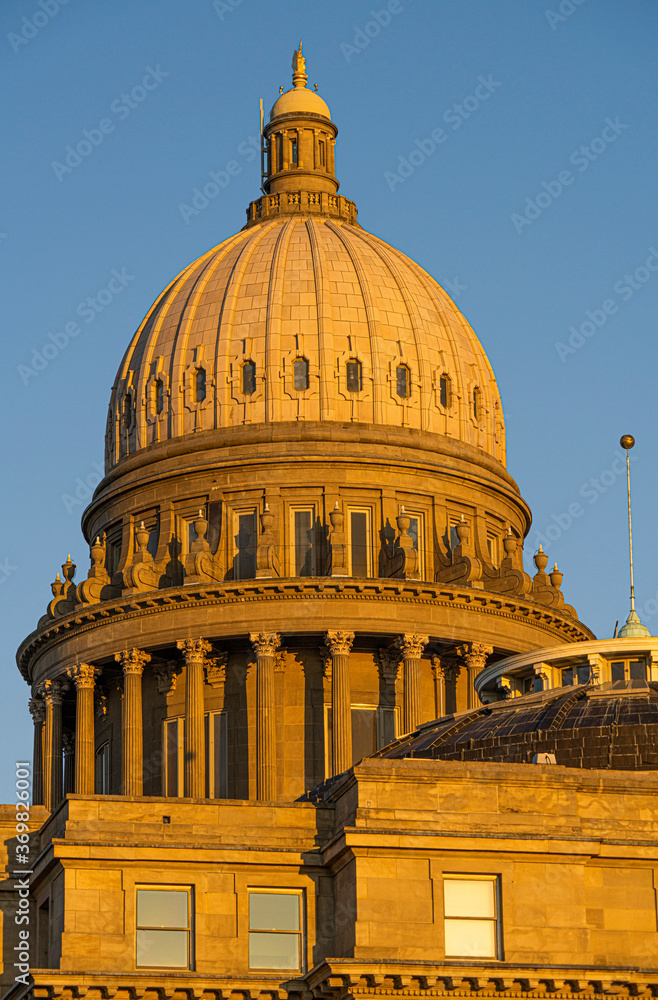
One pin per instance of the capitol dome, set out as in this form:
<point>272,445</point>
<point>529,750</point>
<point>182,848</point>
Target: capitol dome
<point>304,316</point>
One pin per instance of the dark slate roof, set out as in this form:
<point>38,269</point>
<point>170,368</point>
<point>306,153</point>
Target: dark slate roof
<point>609,725</point>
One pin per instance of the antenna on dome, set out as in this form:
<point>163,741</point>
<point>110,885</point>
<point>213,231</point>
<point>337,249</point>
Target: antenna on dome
<point>262,149</point>
<point>633,626</point>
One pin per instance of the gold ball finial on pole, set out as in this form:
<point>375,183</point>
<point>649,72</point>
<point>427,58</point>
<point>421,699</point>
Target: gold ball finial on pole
<point>627,441</point>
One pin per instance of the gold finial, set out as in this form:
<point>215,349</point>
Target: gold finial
<point>299,74</point>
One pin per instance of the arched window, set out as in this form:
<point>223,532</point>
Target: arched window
<point>354,376</point>
<point>200,385</point>
<point>127,411</point>
<point>477,405</point>
<point>249,377</point>
<point>444,392</point>
<point>159,396</point>
<point>403,381</point>
<point>300,374</point>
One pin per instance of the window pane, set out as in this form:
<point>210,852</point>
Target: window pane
<point>300,374</point>
<point>274,911</point>
<point>273,951</point>
<point>402,381</point>
<point>171,752</point>
<point>364,732</point>
<point>637,670</point>
<point>304,543</point>
<point>248,378</point>
<point>245,543</point>
<point>167,949</point>
<point>584,674</point>
<point>200,385</point>
<point>567,677</point>
<point>443,391</point>
<point>469,898</point>
<point>476,404</point>
<point>159,396</point>
<point>412,530</point>
<point>617,671</point>
<point>162,908</point>
<point>353,376</point>
<point>220,765</point>
<point>359,542</point>
<point>294,151</point>
<point>470,938</point>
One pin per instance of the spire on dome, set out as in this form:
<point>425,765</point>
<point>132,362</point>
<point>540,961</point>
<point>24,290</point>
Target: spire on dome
<point>299,74</point>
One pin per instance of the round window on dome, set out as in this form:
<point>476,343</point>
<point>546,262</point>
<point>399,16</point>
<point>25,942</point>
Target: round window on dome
<point>403,381</point>
<point>249,378</point>
<point>300,374</point>
<point>354,376</point>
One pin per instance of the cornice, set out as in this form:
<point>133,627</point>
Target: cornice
<point>372,590</point>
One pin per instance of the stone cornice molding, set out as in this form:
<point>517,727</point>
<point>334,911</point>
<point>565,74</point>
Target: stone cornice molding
<point>339,643</point>
<point>83,675</point>
<point>132,660</point>
<point>412,593</point>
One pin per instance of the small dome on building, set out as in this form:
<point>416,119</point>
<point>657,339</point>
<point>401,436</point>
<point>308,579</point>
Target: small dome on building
<point>299,100</point>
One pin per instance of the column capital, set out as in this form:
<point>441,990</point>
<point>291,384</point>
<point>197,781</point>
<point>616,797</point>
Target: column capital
<point>132,660</point>
<point>438,667</point>
<point>166,674</point>
<point>412,645</point>
<point>339,643</point>
<point>68,743</point>
<point>83,675</point>
<point>474,654</point>
<point>37,709</point>
<point>194,650</point>
<point>52,691</point>
<point>265,643</point>
<point>389,664</point>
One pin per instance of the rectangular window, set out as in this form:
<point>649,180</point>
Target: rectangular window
<point>321,152</point>
<point>303,554</point>
<point>245,540</point>
<point>173,757</point>
<point>416,531</point>
<point>471,916</point>
<point>163,928</point>
<point>102,783</point>
<point>216,756</point>
<point>628,670</point>
<point>358,527</point>
<point>293,152</point>
<point>275,930</point>
<point>583,675</point>
<point>372,728</point>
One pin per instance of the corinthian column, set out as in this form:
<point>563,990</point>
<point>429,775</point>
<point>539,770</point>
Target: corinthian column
<point>411,646</point>
<point>339,645</point>
<point>83,676</point>
<point>38,713</point>
<point>474,655</point>
<point>195,652</point>
<point>265,645</point>
<point>52,692</point>
<point>132,740</point>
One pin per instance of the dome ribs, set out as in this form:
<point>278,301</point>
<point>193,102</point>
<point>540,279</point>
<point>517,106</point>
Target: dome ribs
<point>372,319</point>
<point>224,336</point>
<point>273,323</point>
<point>408,297</point>
<point>325,325</point>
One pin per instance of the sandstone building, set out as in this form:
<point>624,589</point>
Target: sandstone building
<point>284,729</point>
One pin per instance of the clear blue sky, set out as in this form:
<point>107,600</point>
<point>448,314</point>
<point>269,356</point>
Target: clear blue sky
<point>523,272</point>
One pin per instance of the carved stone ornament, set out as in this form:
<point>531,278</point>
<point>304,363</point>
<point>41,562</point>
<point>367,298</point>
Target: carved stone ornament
<point>52,691</point>
<point>216,670</point>
<point>339,643</point>
<point>83,675</point>
<point>474,654</point>
<point>132,660</point>
<point>37,710</point>
<point>265,643</point>
<point>166,675</point>
<point>412,645</point>
<point>389,664</point>
<point>194,650</point>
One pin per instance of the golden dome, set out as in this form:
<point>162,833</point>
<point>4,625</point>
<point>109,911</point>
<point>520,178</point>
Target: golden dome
<point>300,100</point>
<point>376,339</point>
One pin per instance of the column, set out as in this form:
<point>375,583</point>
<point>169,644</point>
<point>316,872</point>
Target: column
<point>474,655</point>
<point>52,693</point>
<point>68,746</point>
<point>265,645</point>
<point>339,645</point>
<point>83,676</point>
<point>411,646</point>
<point>195,652</point>
<point>439,680</point>
<point>132,741</point>
<point>38,713</point>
